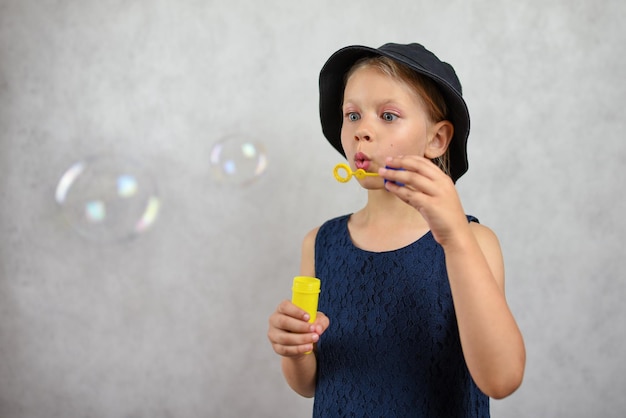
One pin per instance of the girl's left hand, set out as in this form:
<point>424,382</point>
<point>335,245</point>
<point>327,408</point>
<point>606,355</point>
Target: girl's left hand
<point>429,190</point>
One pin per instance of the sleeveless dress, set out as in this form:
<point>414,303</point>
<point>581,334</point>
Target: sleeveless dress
<point>392,348</point>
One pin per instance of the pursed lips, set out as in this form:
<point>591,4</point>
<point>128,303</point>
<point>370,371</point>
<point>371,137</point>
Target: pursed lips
<point>361,161</point>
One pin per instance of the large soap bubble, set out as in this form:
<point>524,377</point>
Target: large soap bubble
<point>108,198</point>
<point>237,161</point>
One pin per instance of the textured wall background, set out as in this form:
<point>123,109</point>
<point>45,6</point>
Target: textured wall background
<point>173,323</point>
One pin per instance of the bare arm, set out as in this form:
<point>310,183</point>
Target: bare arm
<point>492,342</point>
<point>292,336</point>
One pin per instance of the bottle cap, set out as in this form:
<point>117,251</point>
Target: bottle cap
<point>305,284</point>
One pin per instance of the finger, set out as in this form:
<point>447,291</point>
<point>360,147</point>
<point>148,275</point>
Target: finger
<point>412,197</point>
<point>285,338</point>
<point>288,308</point>
<point>412,181</point>
<point>293,351</point>
<point>289,324</point>
<point>287,344</point>
<point>398,176</point>
<point>321,323</point>
<point>415,164</point>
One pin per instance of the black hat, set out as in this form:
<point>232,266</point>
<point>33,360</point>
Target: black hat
<point>416,57</point>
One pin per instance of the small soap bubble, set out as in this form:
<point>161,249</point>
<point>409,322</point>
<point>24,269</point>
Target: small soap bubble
<point>238,161</point>
<point>107,198</point>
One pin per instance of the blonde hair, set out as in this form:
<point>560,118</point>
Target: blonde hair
<point>426,89</point>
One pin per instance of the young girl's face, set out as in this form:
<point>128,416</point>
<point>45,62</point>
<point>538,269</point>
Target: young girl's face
<point>382,117</point>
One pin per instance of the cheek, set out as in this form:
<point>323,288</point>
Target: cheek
<point>403,148</point>
<point>345,139</point>
<point>344,143</point>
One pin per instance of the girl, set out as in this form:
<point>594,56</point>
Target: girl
<point>413,317</point>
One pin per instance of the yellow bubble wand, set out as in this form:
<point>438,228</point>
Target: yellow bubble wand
<point>359,174</point>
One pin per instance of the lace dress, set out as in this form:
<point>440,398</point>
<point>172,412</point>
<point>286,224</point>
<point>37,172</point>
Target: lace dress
<point>392,348</point>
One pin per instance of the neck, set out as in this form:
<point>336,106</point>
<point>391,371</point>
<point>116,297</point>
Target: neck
<point>384,208</point>
<point>385,223</point>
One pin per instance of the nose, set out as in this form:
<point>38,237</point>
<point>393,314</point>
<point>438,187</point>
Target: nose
<point>362,137</point>
<point>363,132</point>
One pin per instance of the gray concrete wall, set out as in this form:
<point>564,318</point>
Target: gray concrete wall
<point>173,323</point>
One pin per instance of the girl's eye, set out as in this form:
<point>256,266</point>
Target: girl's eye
<point>389,117</point>
<point>353,116</point>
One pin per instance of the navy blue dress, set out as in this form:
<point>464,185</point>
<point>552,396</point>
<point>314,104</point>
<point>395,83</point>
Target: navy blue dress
<point>392,348</point>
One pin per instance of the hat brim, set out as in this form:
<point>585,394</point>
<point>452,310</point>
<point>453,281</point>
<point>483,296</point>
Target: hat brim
<point>331,85</point>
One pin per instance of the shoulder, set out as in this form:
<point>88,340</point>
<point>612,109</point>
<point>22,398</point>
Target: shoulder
<point>307,259</point>
<point>309,238</point>
<point>490,246</point>
<point>484,234</point>
<point>329,227</point>
<point>486,238</point>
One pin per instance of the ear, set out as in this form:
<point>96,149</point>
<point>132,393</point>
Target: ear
<point>441,135</point>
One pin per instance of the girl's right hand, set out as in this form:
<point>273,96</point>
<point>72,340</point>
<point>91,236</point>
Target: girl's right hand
<point>290,333</point>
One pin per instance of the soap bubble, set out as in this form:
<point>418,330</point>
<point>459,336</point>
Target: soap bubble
<point>108,198</point>
<point>238,161</point>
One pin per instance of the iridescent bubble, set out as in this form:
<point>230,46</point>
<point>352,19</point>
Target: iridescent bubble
<point>107,198</point>
<point>238,161</point>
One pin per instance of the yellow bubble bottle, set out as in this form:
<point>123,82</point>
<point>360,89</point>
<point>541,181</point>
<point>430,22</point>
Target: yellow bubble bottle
<point>305,294</point>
